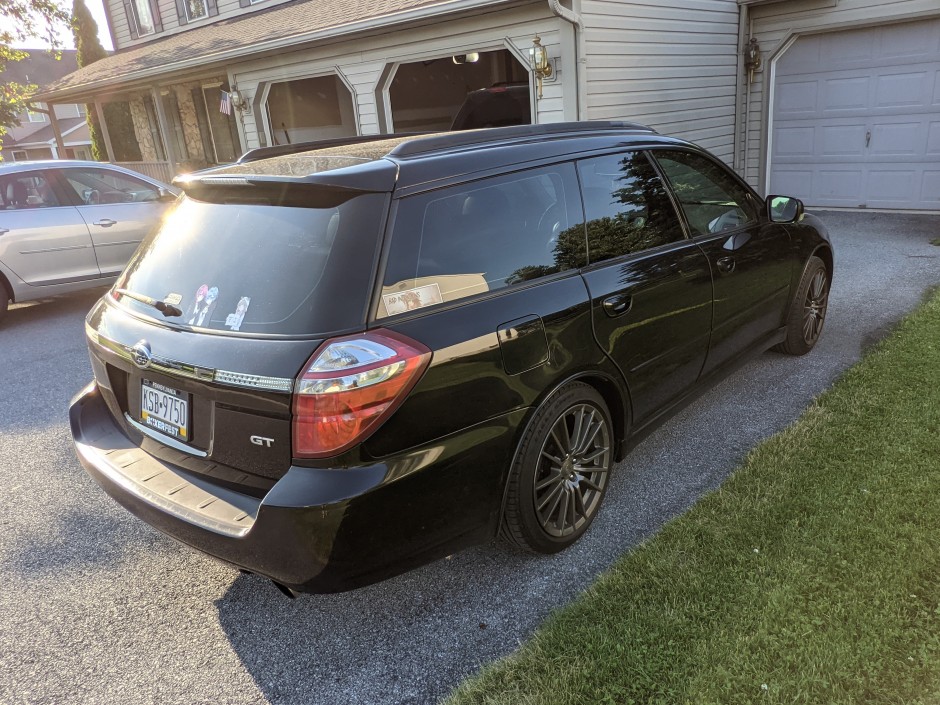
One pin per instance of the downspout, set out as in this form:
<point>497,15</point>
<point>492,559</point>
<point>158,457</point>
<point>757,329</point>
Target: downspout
<point>577,24</point>
<point>742,94</point>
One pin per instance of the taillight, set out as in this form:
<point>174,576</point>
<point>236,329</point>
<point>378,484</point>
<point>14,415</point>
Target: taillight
<point>349,387</point>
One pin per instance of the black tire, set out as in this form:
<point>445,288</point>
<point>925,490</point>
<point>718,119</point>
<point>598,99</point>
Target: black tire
<point>560,471</point>
<point>807,313</point>
<point>4,301</point>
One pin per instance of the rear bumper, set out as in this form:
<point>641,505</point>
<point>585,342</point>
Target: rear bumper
<point>316,530</point>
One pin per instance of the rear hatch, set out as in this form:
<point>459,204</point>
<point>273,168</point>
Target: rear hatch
<point>197,346</point>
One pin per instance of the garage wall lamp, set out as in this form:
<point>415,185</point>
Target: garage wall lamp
<point>471,58</point>
<point>539,63</point>
<point>752,58</point>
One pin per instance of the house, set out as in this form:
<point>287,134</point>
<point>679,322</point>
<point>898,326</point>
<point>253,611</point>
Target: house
<point>840,110</point>
<point>34,137</point>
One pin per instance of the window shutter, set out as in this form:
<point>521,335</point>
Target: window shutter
<point>157,22</point>
<point>244,3</point>
<point>131,19</point>
<point>181,12</point>
<point>213,7</point>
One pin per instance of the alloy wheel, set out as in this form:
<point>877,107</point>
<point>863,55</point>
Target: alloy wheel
<point>574,463</point>
<point>814,309</point>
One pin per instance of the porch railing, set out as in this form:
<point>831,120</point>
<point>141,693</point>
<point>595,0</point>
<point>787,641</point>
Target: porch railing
<point>155,170</point>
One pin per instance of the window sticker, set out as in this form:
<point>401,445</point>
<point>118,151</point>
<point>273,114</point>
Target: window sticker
<point>203,306</point>
<point>234,320</point>
<point>412,299</point>
<point>173,299</point>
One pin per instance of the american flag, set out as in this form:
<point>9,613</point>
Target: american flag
<point>225,106</point>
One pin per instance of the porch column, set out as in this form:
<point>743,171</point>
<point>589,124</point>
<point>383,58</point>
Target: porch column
<point>109,150</point>
<point>171,155</point>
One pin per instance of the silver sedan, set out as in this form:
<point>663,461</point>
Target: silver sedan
<point>70,225</point>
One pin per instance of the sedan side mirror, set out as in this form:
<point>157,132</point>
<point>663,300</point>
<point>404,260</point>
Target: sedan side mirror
<point>166,195</point>
<point>783,209</point>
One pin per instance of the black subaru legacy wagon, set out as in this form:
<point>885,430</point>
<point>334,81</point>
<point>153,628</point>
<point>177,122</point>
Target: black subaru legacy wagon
<point>334,362</point>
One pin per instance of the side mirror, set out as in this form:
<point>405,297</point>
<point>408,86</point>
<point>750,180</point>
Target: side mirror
<point>166,195</point>
<point>783,209</point>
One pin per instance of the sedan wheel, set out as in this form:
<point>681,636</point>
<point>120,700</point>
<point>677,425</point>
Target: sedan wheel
<point>807,313</point>
<point>560,472</point>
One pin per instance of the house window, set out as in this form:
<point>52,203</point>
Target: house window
<point>35,117</point>
<point>143,15</point>
<point>20,155</point>
<point>196,9</point>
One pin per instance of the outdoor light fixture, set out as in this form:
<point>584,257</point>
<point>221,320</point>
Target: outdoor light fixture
<point>470,58</point>
<point>240,101</point>
<point>752,58</point>
<point>538,62</point>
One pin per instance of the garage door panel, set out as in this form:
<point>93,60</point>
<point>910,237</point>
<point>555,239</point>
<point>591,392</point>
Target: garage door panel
<point>855,118</point>
<point>798,97</point>
<point>930,193</point>
<point>933,139</point>
<point>902,90</point>
<point>843,140</point>
<point>846,93</point>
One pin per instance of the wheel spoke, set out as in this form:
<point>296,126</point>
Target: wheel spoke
<point>551,479</point>
<point>808,327</point>
<point>554,494</point>
<point>590,484</point>
<point>562,440</point>
<point>579,501</point>
<point>597,453</point>
<point>577,430</point>
<point>590,436</point>
<point>563,512</point>
<point>556,462</point>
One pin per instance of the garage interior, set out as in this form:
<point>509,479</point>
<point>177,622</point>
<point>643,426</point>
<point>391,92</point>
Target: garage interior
<point>310,109</point>
<point>426,95</point>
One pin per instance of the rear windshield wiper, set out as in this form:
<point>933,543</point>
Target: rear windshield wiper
<point>162,306</point>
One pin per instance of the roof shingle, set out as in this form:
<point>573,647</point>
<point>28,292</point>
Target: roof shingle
<point>245,33</point>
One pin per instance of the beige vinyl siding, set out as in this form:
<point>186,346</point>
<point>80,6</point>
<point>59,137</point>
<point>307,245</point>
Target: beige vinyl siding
<point>671,65</point>
<point>777,25</point>
<point>170,19</point>
<point>362,62</point>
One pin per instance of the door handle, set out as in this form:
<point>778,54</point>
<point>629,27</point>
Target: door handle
<point>618,305</point>
<point>105,222</point>
<point>868,138</point>
<point>726,265</point>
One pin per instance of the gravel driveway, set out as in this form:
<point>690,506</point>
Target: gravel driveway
<point>96,607</point>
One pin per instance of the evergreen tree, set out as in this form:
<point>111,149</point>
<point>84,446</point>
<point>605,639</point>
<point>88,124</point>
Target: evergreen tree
<point>120,125</point>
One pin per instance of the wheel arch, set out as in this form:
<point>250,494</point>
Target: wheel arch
<point>614,393</point>
<point>824,252</point>
<point>5,284</point>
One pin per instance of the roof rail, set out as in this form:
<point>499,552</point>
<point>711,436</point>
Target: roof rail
<point>448,140</point>
<point>253,155</point>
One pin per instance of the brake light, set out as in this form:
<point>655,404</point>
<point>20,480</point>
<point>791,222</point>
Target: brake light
<point>349,386</point>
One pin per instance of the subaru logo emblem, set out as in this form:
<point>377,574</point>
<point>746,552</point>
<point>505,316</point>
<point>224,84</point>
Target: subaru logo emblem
<point>140,354</point>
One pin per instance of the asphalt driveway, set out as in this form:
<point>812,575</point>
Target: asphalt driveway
<point>96,607</point>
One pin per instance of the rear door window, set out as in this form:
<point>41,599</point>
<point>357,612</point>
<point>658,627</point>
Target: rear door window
<point>626,206</point>
<point>261,269</point>
<point>482,236</point>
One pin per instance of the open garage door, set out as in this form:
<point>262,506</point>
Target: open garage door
<point>856,118</point>
<point>310,109</point>
<point>482,89</point>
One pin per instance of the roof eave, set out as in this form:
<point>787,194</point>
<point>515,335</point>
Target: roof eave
<point>85,92</point>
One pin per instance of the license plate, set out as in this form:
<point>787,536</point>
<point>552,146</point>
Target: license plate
<point>165,409</point>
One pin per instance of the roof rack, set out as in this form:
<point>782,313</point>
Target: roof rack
<point>471,137</point>
<point>253,155</point>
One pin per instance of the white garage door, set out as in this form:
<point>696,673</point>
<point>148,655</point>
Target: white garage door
<point>856,118</point>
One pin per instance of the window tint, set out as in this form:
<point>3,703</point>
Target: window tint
<point>626,206</point>
<point>477,237</point>
<point>260,269</point>
<point>27,191</point>
<point>710,197</point>
<point>95,186</point>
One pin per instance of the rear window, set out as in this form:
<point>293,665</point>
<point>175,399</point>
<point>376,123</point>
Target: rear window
<point>482,236</point>
<point>260,269</point>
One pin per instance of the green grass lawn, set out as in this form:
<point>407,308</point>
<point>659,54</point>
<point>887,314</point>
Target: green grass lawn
<point>811,576</point>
